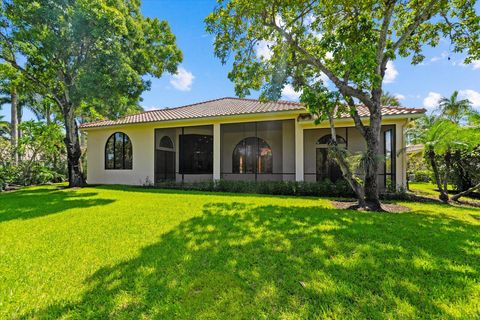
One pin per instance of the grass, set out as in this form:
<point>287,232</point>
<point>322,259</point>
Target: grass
<point>123,253</point>
<point>430,190</point>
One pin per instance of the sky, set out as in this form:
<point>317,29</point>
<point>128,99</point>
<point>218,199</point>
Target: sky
<point>201,76</point>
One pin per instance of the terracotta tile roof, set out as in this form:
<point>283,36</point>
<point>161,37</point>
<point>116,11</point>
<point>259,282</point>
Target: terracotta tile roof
<point>226,107</point>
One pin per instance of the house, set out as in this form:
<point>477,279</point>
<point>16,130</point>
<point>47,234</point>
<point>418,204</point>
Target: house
<point>234,139</point>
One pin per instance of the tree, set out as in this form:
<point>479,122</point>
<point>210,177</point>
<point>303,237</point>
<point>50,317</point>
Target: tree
<point>454,109</point>
<point>349,42</point>
<point>86,53</point>
<point>388,99</point>
<point>442,139</point>
<point>10,79</point>
<point>4,127</point>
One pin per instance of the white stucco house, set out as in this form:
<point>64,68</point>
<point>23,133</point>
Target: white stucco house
<point>234,139</point>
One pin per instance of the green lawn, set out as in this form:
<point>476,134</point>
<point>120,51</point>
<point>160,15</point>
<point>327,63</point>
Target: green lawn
<point>117,252</point>
<point>430,190</point>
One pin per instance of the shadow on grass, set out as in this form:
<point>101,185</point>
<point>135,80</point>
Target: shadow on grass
<point>32,203</point>
<point>241,261</point>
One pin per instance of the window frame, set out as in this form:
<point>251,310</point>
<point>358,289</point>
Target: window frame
<point>123,162</point>
<point>392,174</point>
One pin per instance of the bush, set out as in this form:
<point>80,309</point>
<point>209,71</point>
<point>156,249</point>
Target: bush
<point>286,188</point>
<point>422,176</point>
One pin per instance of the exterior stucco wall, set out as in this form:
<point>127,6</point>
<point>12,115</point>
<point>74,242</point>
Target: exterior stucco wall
<point>143,157</point>
<point>280,135</point>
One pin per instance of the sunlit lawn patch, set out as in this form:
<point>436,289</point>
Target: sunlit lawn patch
<point>124,252</point>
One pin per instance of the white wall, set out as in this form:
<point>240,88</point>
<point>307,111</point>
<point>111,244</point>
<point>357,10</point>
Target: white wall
<point>280,135</point>
<point>142,138</point>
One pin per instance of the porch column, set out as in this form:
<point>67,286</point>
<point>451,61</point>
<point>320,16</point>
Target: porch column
<point>299,153</point>
<point>401,156</point>
<point>216,151</point>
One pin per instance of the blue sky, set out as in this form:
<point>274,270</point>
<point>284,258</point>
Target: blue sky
<point>201,76</point>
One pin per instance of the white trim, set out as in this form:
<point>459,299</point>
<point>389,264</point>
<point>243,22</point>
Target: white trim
<point>216,151</point>
<point>299,153</point>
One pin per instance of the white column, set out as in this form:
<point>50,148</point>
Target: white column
<point>299,163</point>
<point>216,151</point>
<point>401,156</point>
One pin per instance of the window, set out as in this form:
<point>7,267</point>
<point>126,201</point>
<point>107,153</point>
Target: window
<point>252,155</point>
<point>166,142</point>
<point>389,161</point>
<point>118,152</point>
<point>327,139</point>
<point>196,154</point>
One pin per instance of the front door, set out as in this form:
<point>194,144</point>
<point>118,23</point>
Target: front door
<point>327,168</point>
<point>164,165</point>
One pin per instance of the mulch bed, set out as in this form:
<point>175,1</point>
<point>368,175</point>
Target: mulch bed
<point>386,207</point>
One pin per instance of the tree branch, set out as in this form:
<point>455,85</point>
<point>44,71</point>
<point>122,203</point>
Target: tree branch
<point>30,77</point>
<point>417,21</point>
<point>382,42</point>
<point>344,88</point>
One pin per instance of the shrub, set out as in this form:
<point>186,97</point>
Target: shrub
<point>286,188</point>
<point>422,176</point>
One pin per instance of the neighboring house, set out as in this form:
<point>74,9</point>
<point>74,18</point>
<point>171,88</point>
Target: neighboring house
<point>234,139</point>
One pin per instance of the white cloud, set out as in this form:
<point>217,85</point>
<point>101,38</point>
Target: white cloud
<point>150,108</point>
<point>471,95</point>
<point>399,96</point>
<point>432,99</point>
<point>182,80</point>
<point>390,73</point>
<point>476,64</point>
<point>442,56</point>
<point>263,49</point>
<point>289,93</point>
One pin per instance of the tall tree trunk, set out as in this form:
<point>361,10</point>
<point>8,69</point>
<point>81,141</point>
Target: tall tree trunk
<point>371,166</point>
<point>14,124</point>
<point>433,163</point>
<point>72,142</point>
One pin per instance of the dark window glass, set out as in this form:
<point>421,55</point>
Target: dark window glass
<point>327,139</point>
<point>110,153</point>
<point>389,159</point>
<point>118,152</point>
<point>252,155</point>
<point>388,151</point>
<point>196,154</point>
<point>166,142</point>
<point>127,152</point>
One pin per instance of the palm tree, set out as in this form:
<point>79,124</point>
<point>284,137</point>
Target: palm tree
<point>388,99</point>
<point>453,109</point>
<point>4,127</point>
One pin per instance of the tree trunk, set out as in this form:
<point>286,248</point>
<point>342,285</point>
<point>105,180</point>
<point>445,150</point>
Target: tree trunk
<point>433,163</point>
<point>464,193</point>
<point>448,156</point>
<point>372,138</point>
<point>14,124</point>
<point>72,142</point>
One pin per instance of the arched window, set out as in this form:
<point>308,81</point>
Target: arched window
<point>118,152</point>
<point>166,142</point>
<point>327,139</point>
<point>252,155</point>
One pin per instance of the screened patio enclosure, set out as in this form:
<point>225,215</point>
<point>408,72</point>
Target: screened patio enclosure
<point>260,151</point>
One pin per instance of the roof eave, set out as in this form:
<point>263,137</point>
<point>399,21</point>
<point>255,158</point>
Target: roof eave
<point>213,119</point>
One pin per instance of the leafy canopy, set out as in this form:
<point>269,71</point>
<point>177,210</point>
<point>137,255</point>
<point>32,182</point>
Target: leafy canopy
<point>348,41</point>
<point>88,53</point>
